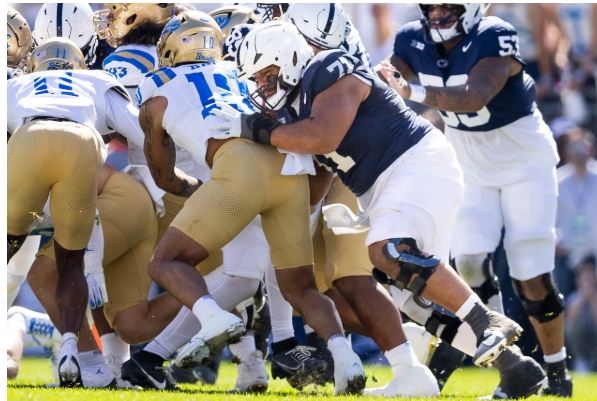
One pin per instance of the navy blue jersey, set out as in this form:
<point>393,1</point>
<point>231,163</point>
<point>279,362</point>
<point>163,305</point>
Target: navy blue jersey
<point>492,37</point>
<point>383,129</point>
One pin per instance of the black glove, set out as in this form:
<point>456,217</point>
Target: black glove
<point>258,128</point>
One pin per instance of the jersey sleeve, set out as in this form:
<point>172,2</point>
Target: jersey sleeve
<point>150,84</point>
<point>123,116</point>
<point>328,67</point>
<point>496,38</point>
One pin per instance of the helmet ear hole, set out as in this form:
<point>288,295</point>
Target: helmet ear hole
<point>167,54</point>
<point>294,59</point>
<point>131,20</point>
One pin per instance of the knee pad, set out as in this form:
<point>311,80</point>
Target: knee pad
<point>410,262</point>
<point>477,271</point>
<point>547,309</point>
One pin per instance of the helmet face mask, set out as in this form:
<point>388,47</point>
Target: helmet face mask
<point>462,17</point>
<point>266,12</point>
<point>115,22</point>
<point>19,41</point>
<point>277,44</point>
<point>190,37</point>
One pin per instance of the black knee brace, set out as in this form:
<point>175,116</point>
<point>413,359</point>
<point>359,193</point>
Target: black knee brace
<point>452,324</point>
<point>547,309</point>
<point>410,262</point>
<point>491,286</point>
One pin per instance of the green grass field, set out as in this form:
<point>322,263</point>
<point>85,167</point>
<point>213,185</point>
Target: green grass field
<point>465,384</point>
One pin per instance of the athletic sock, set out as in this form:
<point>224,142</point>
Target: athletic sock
<point>149,358</point>
<point>204,308</point>
<point>242,349</point>
<point>476,315</point>
<point>116,351</point>
<point>557,357</point>
<point>339,346</point>
<point>402,355</point>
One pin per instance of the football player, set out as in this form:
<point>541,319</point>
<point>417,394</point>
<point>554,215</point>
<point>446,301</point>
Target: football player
<point>245,179</point>
<point>469,68</point>
<point>18,40</point>
<point>398,172</point>
<point>64,109</point>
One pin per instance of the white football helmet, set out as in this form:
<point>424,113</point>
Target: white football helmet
<point>73,21</point>
<point>322,24</point>
<point>470,15</point>
<point>276,43</point>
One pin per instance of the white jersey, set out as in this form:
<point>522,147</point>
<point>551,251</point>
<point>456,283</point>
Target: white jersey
<point>506,155</point>
<point>130,63</point>
<point>81,96</point>
<point>192,91</point>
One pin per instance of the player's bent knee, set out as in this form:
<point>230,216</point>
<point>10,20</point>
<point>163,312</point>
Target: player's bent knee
<point>411,262</point>
<point>470,268</point>
<point>546,309</point>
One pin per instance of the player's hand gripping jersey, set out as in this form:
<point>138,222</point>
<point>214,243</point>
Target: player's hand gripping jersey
<point>192,92</point>
<point>80,96</point>
<point>383,129</point>
<point>492,37</point>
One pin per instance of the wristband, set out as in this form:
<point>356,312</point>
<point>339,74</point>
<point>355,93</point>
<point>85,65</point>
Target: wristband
<point>418,93</point>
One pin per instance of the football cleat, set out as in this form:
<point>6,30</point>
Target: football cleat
<point>208,373</point>
<point>298,366</point>
<point>98,376</point>
<point>520,376</point>
<point>322,352</point>
<point>423,343</point>
<point>349,376</point>
<point>501,332</point>
<point>409,381</point>
<point>181,375</point>
<point>252,375</point>
<point>147,375</point>
<point>69,370</point>
<point>559,380</point>
<point>223,328</point>
<point>444,361</point>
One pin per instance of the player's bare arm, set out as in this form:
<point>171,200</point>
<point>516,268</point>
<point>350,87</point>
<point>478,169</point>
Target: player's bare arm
<point>332,114</point>
<point>487,78</point>
<point>160,151</point>
<point>404,69</point>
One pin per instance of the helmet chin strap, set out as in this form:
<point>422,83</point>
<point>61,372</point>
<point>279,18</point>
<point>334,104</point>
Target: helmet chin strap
<point>443,35</point>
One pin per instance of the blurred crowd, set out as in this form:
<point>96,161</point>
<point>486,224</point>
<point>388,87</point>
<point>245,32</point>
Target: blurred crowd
<point>559,44</point>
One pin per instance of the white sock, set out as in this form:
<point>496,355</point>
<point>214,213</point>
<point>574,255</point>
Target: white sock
<point>402,355</point>
<point>242,349</point>
<point>467,306</point>
<point>91,358</point>
<point>179,332</point>
<point>308,329</point>
<point>338,345</point>
<point>465,339</point>
<point>279,309</point>
<point>69,345</point>
<point>557,357</point>
<point>116,352</point>
<point>204,308</point>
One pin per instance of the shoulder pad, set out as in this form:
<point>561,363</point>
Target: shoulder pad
<point>137,59</point>
<point>327,67</point>
<point>151,83</point>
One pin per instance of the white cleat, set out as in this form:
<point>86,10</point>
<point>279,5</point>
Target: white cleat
<point>409,381</point>
<point>252,375</point>
<point>116,369</point>
<point>349,375</point>
<point>422,342</point>
<point>98,376</point>
<point>223,328</point>
<point>69,370</point>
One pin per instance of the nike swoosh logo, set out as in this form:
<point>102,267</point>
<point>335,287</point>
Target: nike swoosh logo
<point>489,341</point>
<point>156,383</point>
<point>465,48</point>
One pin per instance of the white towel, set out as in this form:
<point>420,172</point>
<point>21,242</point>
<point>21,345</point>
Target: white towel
<point>343,221</point>
<point>296,164</point>
<point>143,175</point>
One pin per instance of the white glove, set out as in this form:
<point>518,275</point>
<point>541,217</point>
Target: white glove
<point>96,283</point>
<point>231,128</point>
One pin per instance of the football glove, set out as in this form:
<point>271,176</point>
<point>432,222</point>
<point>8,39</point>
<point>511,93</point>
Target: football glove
<point>96,283</point>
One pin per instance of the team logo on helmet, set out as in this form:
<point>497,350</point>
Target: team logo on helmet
<point>171,26</point>
<point>222,21</point>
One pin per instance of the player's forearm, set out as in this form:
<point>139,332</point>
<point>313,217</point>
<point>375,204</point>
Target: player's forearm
<point>459,99</point>
<point>302,137</point>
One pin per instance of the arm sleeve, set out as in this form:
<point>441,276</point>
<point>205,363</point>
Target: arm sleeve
<point>94,254</point>
<point>123,117</point>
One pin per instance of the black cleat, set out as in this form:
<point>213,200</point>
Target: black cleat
<point>148,374</point>
<point>181,375</point>
<point>445,360</point>
<point>322,352</point>
<point>559,380</point>
<point>521,376</point>
<point>262,324</point>
<point>298,366</point>
<point>208,373</point>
